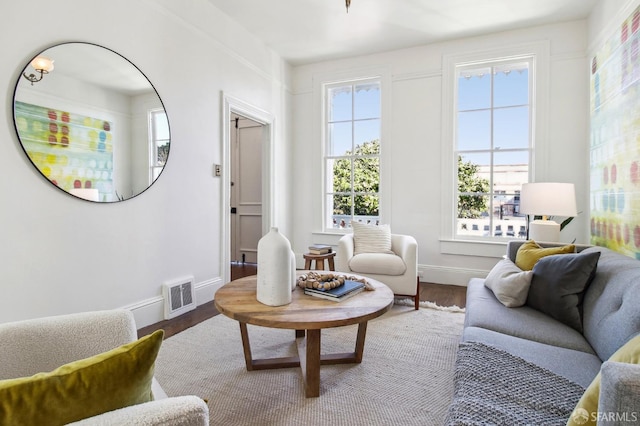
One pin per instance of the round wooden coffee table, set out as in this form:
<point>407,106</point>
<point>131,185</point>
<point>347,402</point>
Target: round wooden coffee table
<point>307,315</point>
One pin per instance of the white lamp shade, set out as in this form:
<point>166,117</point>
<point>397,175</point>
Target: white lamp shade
<point>42,63</point>
<point>548,199</point>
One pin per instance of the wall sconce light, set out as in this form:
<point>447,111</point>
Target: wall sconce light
<point>42,66</point>
<point>547,199</point>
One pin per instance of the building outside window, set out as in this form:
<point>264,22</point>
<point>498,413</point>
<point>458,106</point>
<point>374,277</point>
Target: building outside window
<point>158,142</point>
<point>493,146</point>
<point>352,153</point>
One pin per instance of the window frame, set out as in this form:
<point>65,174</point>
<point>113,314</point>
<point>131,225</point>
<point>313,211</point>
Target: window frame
<point>494,169</point>
<point>154,140</point>
<point>327,210</point>
<point>450,243</point>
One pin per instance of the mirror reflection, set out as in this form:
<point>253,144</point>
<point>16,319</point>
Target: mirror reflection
<point>91,122</point>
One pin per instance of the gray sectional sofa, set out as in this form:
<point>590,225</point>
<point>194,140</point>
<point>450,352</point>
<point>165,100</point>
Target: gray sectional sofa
<point>534,361</point>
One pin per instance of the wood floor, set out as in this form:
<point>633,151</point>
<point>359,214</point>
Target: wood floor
<point>443,295</point>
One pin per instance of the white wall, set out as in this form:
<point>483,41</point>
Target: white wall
<point>59,254</point>
<point>412,128</point>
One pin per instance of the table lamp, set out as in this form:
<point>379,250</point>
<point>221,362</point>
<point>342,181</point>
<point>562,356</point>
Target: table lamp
<point>547,199</point>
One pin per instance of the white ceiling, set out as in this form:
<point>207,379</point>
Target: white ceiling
<point>308,31</point>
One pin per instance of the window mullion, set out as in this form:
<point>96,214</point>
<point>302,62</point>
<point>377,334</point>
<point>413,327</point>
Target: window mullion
<point>353,150</point>
<point>492,195</point>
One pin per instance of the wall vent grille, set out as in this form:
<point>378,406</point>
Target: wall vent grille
<point>179,297</point>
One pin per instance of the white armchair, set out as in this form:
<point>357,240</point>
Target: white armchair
<point>44,344</point>
<point>399,271</point>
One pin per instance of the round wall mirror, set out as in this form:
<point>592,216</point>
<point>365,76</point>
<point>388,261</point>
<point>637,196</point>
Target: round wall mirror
<point>91,122</point>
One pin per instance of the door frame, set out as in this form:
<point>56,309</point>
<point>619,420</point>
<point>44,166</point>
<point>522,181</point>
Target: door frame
<point>232,105</point>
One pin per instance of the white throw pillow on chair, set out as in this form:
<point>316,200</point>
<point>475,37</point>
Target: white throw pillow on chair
<point>371,238</point>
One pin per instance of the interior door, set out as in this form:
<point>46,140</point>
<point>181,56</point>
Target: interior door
<point>246,189</point>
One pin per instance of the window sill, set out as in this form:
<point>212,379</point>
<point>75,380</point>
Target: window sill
<point>327,237</point>
<point>478,248</point>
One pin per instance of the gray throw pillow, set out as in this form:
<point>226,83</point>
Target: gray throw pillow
<point>558,285</point>
<point>509,283</point>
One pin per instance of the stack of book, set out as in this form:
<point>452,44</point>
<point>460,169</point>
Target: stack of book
<point>319,249</point>
<point>337,294</point>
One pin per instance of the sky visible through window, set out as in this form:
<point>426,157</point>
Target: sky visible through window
<point>365,108</point>
<point>510,123</point>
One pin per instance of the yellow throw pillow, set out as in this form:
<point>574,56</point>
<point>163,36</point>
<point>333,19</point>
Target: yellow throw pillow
<point>115,379</point>
<point>530,252</point>
<point>586,411</point>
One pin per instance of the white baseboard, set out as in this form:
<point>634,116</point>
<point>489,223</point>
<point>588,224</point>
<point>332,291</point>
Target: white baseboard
<point>448,275</point>
<point>151,311</point>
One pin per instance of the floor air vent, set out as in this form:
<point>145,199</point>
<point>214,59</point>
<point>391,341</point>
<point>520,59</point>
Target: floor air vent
<point>179,297</point>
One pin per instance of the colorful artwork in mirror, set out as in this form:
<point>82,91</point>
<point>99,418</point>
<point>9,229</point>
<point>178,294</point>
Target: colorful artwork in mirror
<point>74,152</point>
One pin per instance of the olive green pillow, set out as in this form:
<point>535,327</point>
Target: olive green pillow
<point>115,379</point>
<point>586,411</point>
<point>530,252</point>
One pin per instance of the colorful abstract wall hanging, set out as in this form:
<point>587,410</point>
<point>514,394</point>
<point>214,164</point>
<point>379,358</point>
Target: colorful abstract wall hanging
<point>615,141</point>
<point>71,150</point>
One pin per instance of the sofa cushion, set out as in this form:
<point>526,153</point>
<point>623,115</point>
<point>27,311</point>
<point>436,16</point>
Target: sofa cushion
<point>509,283</point>
<point>620,390</point>
<point>485,311</point>
<point>85,388</point>
<point>530,252</point>
<point>610,308</point>
<point>577,366</point>
<point>630,354</point>
<point>377,263</point>
<point>371,238</point>
<point>558,284</point>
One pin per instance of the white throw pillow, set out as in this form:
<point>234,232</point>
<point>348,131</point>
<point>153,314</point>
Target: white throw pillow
<point>509,283</point>
<point>371,238</point>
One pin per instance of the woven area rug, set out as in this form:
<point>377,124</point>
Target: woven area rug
<point>405,378</point>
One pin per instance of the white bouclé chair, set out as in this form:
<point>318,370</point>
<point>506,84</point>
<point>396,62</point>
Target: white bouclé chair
<point>398,269</point>
<point>44,344</point>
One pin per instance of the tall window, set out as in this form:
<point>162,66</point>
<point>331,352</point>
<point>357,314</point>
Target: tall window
<point>158,142</point>
<point>493,128</point>
<point>352,153</point>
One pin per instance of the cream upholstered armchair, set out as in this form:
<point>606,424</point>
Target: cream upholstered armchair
<point>45,344</point>
<point>372,251</point>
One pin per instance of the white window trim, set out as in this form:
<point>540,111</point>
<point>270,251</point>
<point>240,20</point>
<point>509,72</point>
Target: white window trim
<point>322,234</point>
<point>152,114</point>
<point>539,132</point>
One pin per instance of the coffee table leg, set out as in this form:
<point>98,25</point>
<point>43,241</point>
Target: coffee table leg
<point>246,346</point>
<point>309,358</point>
<point>311,365</point>
<point>362,333</point>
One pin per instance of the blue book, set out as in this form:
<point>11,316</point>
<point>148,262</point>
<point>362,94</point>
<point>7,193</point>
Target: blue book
<point>337,292</point>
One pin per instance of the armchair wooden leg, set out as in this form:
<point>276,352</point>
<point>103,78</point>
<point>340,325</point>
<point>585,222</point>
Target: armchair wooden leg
<point>417,298</point>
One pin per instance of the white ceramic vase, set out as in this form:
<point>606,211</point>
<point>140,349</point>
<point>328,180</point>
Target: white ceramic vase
<point>274,269</point>
<point>293,271</point>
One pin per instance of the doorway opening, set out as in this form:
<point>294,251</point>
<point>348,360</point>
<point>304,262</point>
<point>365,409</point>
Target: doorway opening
<point>245,188</point>
<point>247,183</point>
